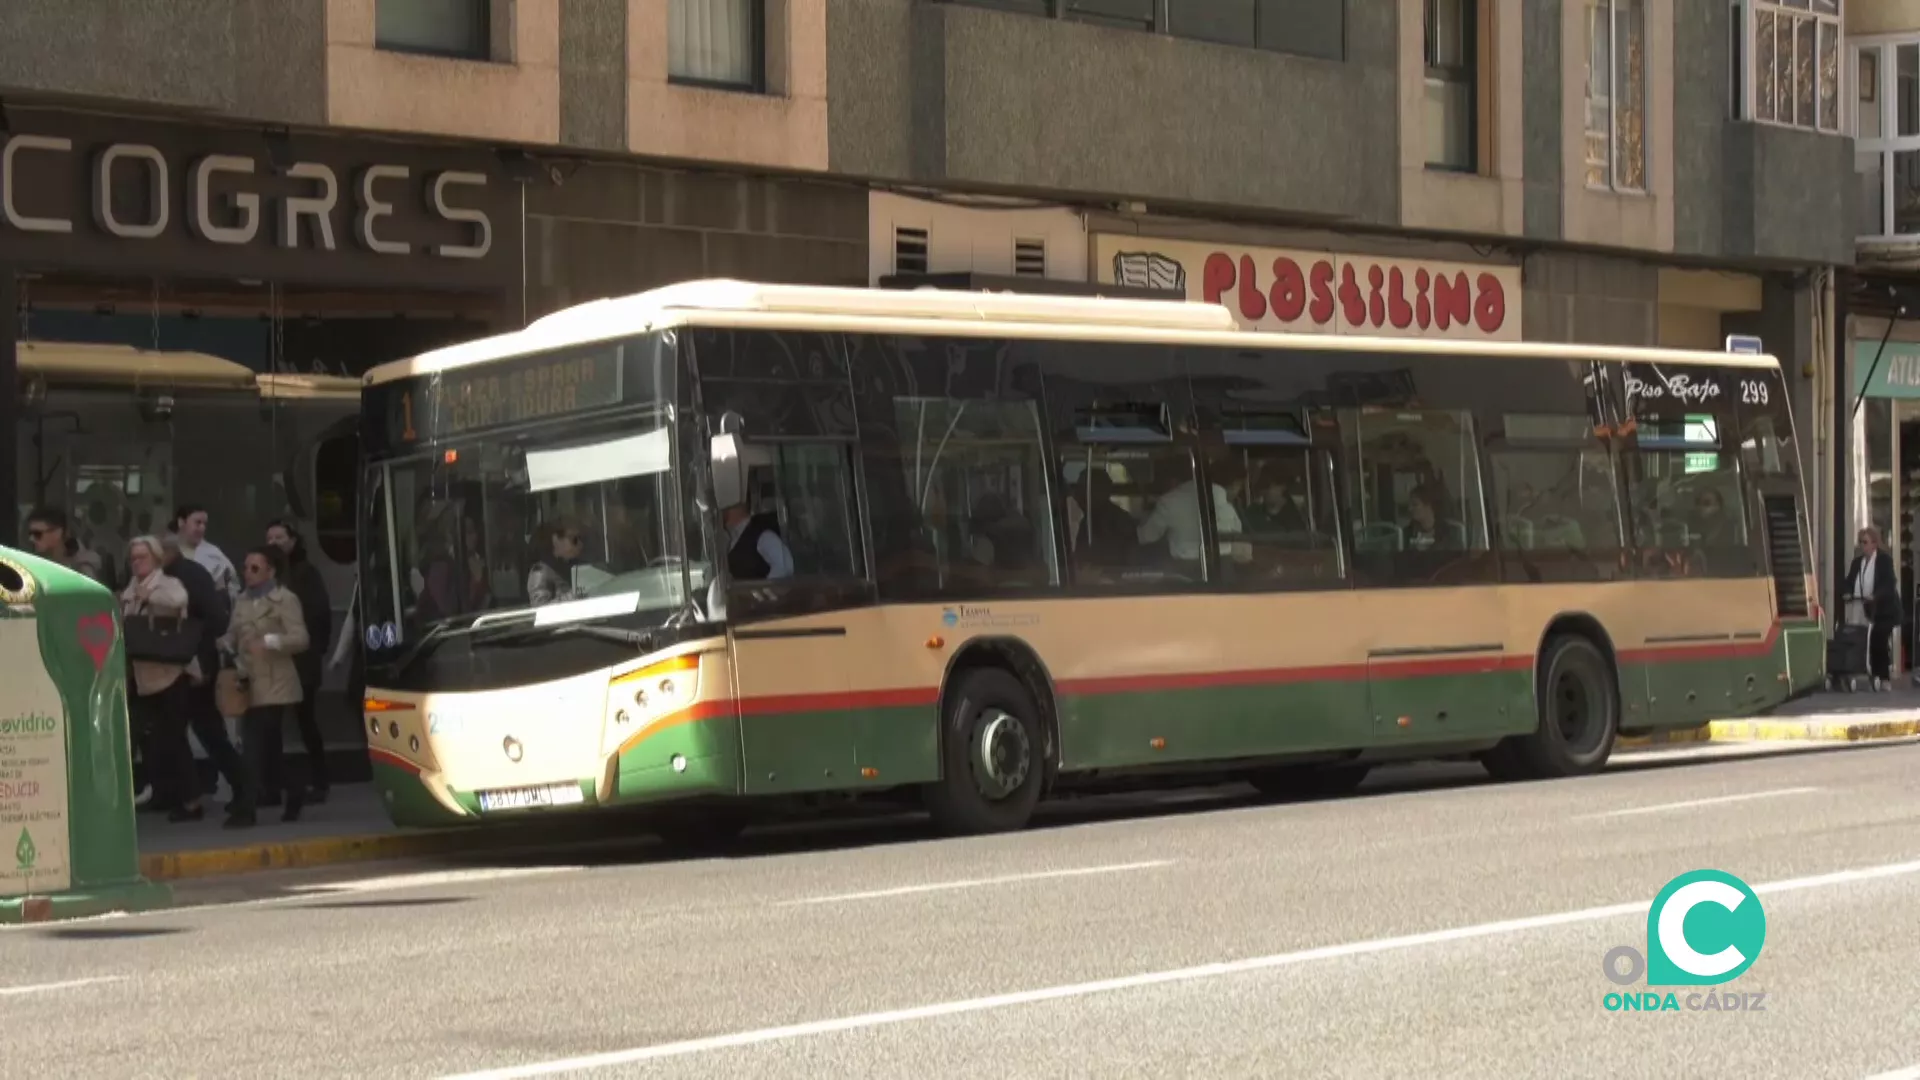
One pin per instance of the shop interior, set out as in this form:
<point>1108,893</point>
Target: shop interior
<point>242,397</point>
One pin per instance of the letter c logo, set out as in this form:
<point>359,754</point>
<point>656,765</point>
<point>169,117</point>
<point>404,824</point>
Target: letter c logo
<point>1728,923</point>
<point>1673,928</point>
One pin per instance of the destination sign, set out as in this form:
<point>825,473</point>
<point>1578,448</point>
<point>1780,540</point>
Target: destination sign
<point>506,394</point>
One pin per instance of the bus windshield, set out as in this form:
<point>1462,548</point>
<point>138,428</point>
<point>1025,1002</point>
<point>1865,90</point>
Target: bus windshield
<point>586,515</point>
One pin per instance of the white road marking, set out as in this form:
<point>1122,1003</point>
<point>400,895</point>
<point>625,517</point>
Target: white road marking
<point>70,984</point>
<point>1715,801</point>
<point>1912,1073</point>
<point>738,1039</point>
<point>975,883</point>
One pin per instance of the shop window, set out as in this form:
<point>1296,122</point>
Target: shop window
<point>719,43</point>
<point>335,475</point>
<point>1452,97</point>
<point>1414,495</point>
<point>1281,489</point>
<point>460,29</point>
<point>974,518</point>
<point>1556,500</point>
<point>1616,97</point>
<point>1787,67</point>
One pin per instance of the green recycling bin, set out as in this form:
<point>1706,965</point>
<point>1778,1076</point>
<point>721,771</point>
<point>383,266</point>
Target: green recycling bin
<point>67,842</point>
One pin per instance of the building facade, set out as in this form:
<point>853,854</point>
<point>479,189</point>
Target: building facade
<point>217,214</point>
<point>1633,172</point>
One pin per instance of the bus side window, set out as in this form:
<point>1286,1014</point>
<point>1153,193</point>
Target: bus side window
<point>1414,490</point>
<point>811,493</point>
<point>975,498</point>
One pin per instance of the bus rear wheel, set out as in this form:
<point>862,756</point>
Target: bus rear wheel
<point>991,748</point>
<point>1579,708</point>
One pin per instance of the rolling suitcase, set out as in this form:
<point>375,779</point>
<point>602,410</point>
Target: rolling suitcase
<point>1847,656</point>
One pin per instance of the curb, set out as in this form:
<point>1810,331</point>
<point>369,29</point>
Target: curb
<point>322,851</point>
<point>1666,738</point>
<point>1727,731</point>
<point>1803,730</point>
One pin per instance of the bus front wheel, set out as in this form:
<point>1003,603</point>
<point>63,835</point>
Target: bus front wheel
<point>991,748</point>
<point>1579,710</point>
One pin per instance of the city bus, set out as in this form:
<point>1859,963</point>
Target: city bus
<point>723,546</point>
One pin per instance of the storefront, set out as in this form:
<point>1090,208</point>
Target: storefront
<point>1884,470</point>
<point>192,306</point>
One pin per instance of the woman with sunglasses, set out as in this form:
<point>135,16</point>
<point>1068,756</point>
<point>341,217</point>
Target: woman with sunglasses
<point>268,630</point>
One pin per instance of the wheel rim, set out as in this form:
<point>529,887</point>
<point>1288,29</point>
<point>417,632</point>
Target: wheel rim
<point>1577,708</point>
<point>1002,754</point>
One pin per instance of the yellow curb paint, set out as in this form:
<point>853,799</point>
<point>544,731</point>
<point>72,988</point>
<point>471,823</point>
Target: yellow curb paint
<point>1665,738</point>
<point>296,854</point>
<point>1776,730</point>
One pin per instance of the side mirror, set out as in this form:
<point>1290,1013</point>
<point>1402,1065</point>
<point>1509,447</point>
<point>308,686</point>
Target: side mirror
<point>729,467</point>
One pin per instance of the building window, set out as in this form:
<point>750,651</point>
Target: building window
<point>1316,28</point>
<point>461,29</point>
<point>1886,120</point>
<point>1616,136</point>
<point>1452,102</point>
<point>719,43</point>
<point>1788,62</point>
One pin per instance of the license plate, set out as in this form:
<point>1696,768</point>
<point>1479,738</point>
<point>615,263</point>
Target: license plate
<point>528,797</point>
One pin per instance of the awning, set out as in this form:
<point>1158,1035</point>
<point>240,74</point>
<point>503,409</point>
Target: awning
<point>124,365</point>
<point>308,388</point>
<point>84,363</point>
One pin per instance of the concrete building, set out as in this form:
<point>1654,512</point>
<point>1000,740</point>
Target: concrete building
<point>217,213</point>
<point>1641,172</point>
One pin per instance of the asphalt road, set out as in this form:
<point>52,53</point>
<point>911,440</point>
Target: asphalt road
<point>1431,926</point>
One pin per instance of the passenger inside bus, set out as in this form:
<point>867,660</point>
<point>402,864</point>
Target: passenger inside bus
<point>557,551</point>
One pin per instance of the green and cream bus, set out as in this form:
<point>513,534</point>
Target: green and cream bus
<point>723,545</point>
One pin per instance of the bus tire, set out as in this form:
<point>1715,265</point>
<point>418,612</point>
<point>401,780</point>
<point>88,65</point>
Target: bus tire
<point>1309,781</point>
<point>991,756</point>
<point>1578,699</point>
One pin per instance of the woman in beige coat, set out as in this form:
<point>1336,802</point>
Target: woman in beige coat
<point>158,706</point>
<point>268,630</point>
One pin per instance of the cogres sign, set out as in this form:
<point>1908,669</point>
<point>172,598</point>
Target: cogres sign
<point>159,194</point>
<point>224,202</point>
<point>1321,292</point>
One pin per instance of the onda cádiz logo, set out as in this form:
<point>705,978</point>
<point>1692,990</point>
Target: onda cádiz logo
<point>1705,928</point>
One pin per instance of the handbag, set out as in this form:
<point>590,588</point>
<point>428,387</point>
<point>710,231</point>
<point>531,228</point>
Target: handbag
<point>230,694</point>
<point>162,639</point>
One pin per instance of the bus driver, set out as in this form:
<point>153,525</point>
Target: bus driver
<point>755,551</point>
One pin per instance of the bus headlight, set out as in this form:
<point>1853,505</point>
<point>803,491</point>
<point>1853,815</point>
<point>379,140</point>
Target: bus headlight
<point>640,697</point>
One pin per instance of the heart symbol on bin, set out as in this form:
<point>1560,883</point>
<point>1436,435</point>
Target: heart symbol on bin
<point>96,636</point>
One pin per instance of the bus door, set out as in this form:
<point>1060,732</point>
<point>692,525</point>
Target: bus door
<point>794,638</point>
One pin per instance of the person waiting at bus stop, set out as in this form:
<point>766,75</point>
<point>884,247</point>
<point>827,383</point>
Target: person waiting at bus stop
<point>755,551</point>
<point>1872,580</point>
